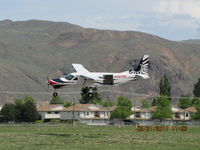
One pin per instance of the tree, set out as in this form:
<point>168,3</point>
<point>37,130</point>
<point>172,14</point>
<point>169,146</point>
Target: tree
<point>123,109</point>
<point>154,102</point>
<point>18,109</point>
<point>108,103</point>
<point>184,102</point>
<point>56,100</point>
<point>90,95</point>
<point>196,90</point>
<point>145,104</point>
<point>30,113</point>
<point>23,110</point>
<point>165,87</point>
<point>197,105</point>
<point>68,104</point>
<point>163,109</point>
<point>8,112</point>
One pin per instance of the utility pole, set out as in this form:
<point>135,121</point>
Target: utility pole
<point>134,109</point>
<point>108,110</point>
<point>73,113</point>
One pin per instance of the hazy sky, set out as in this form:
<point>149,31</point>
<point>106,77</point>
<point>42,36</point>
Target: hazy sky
<point>170,19</point>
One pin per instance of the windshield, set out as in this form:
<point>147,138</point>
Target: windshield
<point>69,77</point>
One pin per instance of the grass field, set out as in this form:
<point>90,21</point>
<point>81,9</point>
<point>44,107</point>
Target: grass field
<point>67,137</point>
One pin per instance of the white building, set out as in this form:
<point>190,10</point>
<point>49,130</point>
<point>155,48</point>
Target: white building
<point>89,114</point>
<point>49,112</point>
<point>142,113</point>
<point>178,113</point>
<point>190,111</point>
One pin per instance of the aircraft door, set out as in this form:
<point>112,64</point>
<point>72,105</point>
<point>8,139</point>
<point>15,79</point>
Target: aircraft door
<point>108,80</point>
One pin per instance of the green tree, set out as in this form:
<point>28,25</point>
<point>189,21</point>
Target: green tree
<point>165,87</point>
<point>123,109</point>
<point>196,90</point>
<point>25,110</point>
<point>163,109</point>
<point>56,100</point>
<point>194,101</point>
<point>108,103</point>
<point>184,102</point>
<point>68,104</point>
<point>30,113</point>
<point>145,104</point>
<point>8,112</point>
<point>90,95</point>
<point>154,102</point>
<point>197,105</point>
<point>19,105</point>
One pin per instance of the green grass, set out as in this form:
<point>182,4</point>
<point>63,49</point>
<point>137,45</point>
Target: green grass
<point>66,137</point>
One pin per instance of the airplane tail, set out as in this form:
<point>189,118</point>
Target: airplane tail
<point>142,68</point>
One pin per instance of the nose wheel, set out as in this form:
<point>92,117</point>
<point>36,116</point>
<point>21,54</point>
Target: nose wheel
<point>55,94</point>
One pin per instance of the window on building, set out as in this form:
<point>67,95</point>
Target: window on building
<point>97,114</point>
<point>186,115</point>
<point>177,115</point>
<point>48,112</point>
<point>138,114</point>
<point>88,113</point>
<point>56,112</point>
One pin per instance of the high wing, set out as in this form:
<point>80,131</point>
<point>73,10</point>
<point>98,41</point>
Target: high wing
<point>79,68</point>
<point>83,72</point>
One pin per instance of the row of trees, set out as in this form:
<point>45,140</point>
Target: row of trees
<point>163,103</point>
<point>22,110</point>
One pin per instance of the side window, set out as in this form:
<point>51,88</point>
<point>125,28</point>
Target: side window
<point>76,78</point>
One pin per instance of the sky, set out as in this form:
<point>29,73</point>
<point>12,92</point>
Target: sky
<point>170,19</point>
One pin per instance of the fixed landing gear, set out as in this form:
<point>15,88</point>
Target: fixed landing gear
<point>55,94</point>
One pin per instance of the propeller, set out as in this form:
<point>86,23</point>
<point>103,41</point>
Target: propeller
<point>48,82</point>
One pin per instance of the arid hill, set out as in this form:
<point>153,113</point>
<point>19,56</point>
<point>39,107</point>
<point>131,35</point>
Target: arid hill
<point>32,50</point>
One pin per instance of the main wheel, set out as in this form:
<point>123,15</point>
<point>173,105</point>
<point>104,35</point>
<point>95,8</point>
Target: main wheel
<point>55,94</point>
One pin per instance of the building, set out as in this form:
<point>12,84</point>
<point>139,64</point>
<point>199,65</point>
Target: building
<point>147,113</point>
<point>190,112</point>
<point>89,114</point>
<point>142,113</point>
<point>92,114</point>
<point>50,112</point>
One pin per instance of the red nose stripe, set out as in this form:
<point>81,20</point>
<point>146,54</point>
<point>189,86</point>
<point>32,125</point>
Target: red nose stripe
<point>51,82</point>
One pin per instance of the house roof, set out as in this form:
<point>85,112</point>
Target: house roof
<point>176,109</point>
<point>50,108</point>
<point>140,109</point>
<point>153,109</point>
<point>191,109</point>
<point>88,107</point>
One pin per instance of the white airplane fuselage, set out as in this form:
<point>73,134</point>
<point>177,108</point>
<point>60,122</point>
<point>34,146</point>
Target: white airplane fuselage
<point>83,77</point>
<point>117,78</point>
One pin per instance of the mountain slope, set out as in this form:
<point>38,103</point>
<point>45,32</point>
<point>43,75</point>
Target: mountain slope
<point>32,50</point>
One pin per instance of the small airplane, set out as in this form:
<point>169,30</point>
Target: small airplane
<point>84,77</point>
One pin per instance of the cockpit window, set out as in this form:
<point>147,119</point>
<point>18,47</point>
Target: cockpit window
<point>76,78</point>
<point>69,77</point>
